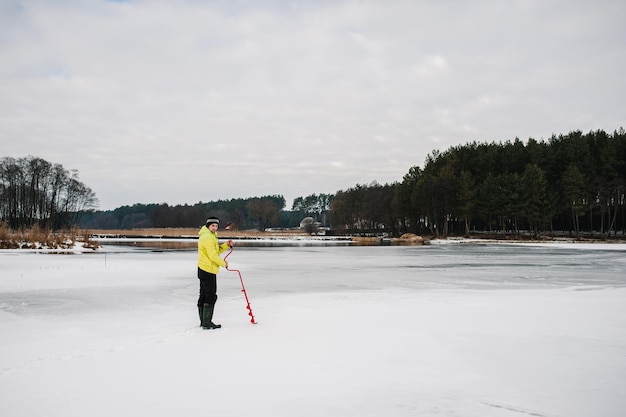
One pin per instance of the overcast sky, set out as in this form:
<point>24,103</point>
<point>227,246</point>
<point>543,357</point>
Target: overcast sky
<point>181,101</point>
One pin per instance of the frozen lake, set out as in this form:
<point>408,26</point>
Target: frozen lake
<point>439,330</point>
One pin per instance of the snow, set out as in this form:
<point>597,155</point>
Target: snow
<point>441,330</point>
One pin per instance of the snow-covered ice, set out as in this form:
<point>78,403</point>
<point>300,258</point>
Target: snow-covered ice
<point>441,330</point>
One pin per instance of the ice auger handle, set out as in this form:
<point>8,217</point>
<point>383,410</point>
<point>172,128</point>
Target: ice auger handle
<point>243,289</point>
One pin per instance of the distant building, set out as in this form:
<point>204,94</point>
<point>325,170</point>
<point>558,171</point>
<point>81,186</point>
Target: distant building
<point>309,225</point>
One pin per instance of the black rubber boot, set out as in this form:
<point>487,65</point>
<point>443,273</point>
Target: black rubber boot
<point>200,314</point>
<point>207,317</point>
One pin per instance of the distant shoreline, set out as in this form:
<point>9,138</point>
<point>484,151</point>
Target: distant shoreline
<point>185,238</point>
<point>192,233</point>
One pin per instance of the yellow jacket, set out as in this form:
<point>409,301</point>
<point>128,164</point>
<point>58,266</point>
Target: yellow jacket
<point>209,250</point>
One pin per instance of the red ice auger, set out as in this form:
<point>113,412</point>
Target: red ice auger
<point>243,289</point>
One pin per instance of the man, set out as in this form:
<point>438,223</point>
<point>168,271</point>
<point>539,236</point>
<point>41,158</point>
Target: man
<point>209,263</point>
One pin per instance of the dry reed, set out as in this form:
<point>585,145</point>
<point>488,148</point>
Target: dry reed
<point>42,238</point>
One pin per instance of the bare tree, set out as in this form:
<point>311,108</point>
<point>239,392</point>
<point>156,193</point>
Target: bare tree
<point>35,192</point>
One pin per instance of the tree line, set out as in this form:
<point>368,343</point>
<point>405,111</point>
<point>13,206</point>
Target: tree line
<point>573,184</point>
<point>241,213</point>
<point>35,192</point>
<point>569,184</point>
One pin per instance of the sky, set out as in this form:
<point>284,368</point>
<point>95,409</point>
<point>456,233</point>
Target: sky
<point>182,101</point>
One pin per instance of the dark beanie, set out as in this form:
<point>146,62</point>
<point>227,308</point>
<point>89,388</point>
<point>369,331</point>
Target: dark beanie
<point>212,220</point>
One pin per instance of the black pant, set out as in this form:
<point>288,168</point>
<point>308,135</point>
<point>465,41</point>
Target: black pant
<point>208,288</point>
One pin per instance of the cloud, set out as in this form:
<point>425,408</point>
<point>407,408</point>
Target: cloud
<point>185,100</point>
